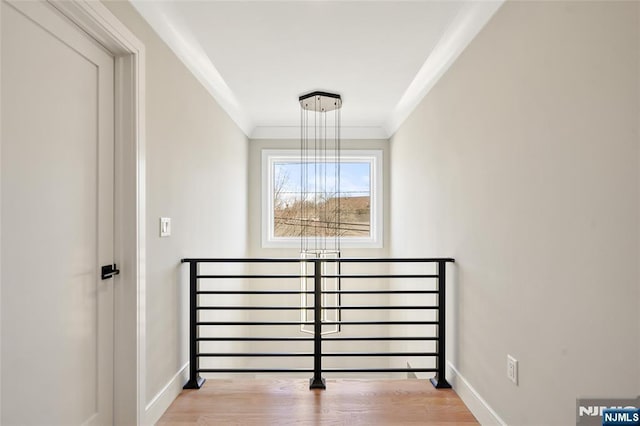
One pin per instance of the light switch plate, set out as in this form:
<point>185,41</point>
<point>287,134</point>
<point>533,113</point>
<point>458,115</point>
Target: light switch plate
<point>512,369</point>
<point>165,226</point>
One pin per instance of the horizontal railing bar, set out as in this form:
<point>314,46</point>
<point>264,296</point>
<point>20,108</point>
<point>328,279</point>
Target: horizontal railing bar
<point>253,308</point>
<point>390,260</point>
<point>266,292</point>
<point>378,323</point>
<point>254,354</point>
<point>378,276</point>
<point>329,339</point>
<point>379,370</point>
<point>297,308</point>
<point>255,370</point>
<point>242,260</point>
<point>308,339</point>
<point>255,292</point>
<point>323,323</point>
<point>379,292</point>
<point>308,354</point>
<point>253,339</point>
<point>378,307</point>
<point>344,260</point>
<point>379,354</point>
<point>255,323</point>
<point>274,276</point>
<point>310,370</point>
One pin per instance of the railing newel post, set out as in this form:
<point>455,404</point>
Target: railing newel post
<point>317,382</point>
<point>440,381</point>
<point>195,381</point>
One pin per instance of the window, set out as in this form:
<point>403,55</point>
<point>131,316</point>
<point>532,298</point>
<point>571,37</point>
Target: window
<point>359,198</point>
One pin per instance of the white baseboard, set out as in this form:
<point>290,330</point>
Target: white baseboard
<point>472,399</point>
<point>163,399</point>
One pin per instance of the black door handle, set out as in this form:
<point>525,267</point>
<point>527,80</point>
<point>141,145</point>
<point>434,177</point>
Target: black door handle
<point>109,271</point>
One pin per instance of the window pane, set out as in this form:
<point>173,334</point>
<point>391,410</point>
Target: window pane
<point>305,196</point>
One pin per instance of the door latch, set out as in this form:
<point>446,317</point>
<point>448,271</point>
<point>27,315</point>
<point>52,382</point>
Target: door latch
<point>109,271</point>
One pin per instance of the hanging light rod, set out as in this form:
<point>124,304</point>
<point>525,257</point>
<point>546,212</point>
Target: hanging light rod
<point>320,101</point>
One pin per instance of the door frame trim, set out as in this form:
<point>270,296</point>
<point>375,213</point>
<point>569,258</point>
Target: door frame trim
<point>129,312</point>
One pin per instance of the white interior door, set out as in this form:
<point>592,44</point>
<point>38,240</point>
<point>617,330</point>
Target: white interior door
<point>57,219</point>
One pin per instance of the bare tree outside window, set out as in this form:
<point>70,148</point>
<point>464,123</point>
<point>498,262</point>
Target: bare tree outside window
<point>347,208</point>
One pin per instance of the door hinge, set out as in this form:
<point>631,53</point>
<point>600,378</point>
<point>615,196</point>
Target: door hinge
<point>109,271</point>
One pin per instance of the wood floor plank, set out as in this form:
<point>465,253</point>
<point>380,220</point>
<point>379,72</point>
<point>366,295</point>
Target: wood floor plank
<point>344,402</point>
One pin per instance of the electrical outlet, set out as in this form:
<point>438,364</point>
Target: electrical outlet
<point>512,369</point>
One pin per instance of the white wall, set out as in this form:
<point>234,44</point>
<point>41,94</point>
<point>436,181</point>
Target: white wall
<point>196,174</point>
<point>522,163</point>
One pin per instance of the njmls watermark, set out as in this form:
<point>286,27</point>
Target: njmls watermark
<point>607,412</point>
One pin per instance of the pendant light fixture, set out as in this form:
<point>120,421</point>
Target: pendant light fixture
<point>320,200</point>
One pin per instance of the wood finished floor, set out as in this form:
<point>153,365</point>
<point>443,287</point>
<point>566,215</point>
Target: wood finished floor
<point>344,402</point>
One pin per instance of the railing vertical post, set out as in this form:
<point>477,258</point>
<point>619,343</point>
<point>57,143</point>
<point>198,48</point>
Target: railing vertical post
<point>317,382</point>
<point>195,381</point>
<point>440,381</point>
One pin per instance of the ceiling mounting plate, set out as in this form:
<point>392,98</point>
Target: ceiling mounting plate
<point>320,101</point>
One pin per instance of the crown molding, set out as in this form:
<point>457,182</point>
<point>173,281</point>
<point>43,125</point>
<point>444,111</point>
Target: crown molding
<point>462,30</point>
<point>193,56</point>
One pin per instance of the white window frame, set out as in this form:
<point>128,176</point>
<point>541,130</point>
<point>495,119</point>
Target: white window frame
<point>373,157</point>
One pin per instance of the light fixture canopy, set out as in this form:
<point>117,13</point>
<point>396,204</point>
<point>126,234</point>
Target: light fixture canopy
<point>320,101</point>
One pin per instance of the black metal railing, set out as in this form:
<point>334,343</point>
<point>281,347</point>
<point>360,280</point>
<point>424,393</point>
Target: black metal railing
<point>196,324</point>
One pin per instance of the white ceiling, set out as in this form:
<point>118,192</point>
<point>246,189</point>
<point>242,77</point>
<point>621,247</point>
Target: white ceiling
<point>257,57</point>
